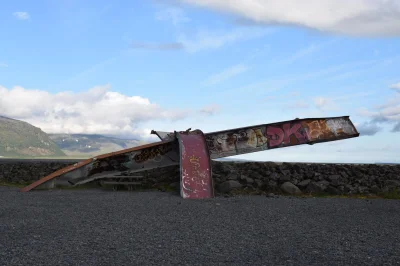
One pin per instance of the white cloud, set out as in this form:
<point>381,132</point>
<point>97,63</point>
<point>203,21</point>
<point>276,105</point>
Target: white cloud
<point>395,87</point>
<point>97,110</point>
<point>210,109</point>
<point>226,74</point>
<point>356,17</point>
<point>368,129</point>
<point>210,40</point>
<point>385,113</point>
<point>21,15</point>
<point>3,64</point>
<point>325,104</point>
<point>173,14</point>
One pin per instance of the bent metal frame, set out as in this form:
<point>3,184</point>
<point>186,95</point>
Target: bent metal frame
<point>193,151</point>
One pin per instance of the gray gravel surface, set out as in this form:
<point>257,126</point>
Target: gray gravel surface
<point>98,227</point>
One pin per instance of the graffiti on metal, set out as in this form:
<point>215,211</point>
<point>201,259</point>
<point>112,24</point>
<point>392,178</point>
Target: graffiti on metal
<point>236,142</point>
<point>287,134</point>
<point>320,129</point>
<point>193,151</point>
<point>278,135</point>
<point>142,158</point>
<point>196,180</point>
<point>152,153</point>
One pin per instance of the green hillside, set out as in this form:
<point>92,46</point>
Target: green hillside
<point>89,145</point>
<point>21,139</point>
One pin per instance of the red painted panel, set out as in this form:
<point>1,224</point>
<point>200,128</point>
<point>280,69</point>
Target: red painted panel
<point>196,179</point>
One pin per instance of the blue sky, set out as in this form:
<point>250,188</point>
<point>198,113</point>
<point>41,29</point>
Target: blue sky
<point>126,67</point>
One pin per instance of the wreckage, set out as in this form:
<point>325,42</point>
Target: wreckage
<point>193,151</point>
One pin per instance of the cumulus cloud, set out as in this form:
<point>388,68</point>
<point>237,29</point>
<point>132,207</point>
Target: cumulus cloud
<point>226,74</point>
<point>396,128</point>
<point>368,129</point>
<point>356,18</point>
<point>395,87</point>
<point>325,104</point>
<point>388,113</point>
<point>21,15</point>
<point>98,110</point>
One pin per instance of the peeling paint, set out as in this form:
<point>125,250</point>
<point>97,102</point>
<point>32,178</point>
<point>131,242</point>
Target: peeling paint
<point>196,180</point>
<point>193,151</point>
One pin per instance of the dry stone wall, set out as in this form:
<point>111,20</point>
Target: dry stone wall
<point>298,178</point>
<point>252,177</point>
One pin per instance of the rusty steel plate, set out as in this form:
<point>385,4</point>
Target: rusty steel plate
<point>196,179</point>
<point>133,160</point>
<point>278,135</point>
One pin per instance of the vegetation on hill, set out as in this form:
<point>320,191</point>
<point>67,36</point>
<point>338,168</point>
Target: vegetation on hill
<point>89,145</point>
<point>21,139</point>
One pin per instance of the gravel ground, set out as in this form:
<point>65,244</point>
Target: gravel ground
<point>98,227</point>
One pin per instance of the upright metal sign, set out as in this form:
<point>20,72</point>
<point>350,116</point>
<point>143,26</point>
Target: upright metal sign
<point>196,180</point>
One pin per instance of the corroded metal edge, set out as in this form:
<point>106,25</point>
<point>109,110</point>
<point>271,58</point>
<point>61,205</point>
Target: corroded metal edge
<point>88,161</point>
<point>288,133</point>
<point>234,141</point>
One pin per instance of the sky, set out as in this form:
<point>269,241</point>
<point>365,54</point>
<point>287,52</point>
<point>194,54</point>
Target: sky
<point>123,68</point>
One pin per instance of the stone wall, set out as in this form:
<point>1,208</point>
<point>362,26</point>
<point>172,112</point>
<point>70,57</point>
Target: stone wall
<point>252,177</point>
<point>26,171</point>
<point>298,178</point>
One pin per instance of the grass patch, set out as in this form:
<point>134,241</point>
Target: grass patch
<point>10,184</point>
<point>392,194</point>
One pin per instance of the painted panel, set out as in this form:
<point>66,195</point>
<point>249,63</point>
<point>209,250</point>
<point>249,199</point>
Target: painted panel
<point>278,135</point>
<point>196,179</point>
<point>236,142</point>
<point>320,129</point>
<point>286,134</point>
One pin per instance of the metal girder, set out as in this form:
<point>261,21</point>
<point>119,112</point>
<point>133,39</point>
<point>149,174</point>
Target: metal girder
<point>276,135</point>
<point>106,166</point>
<point>176,148</point>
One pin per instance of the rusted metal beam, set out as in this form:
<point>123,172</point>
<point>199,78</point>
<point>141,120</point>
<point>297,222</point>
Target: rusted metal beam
<point>277,135</point>
<point>178,147</point>
<point>132,160</point>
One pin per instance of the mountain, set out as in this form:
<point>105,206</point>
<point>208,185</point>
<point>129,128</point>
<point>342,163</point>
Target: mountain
<point>21,139</point>
<point>89,145</point>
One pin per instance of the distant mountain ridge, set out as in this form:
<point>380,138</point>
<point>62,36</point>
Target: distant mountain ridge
<point>88,145</point>
<point>21,139</point>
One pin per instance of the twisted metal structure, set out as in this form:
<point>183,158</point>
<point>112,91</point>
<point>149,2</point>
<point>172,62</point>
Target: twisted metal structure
<point>193,151</point>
